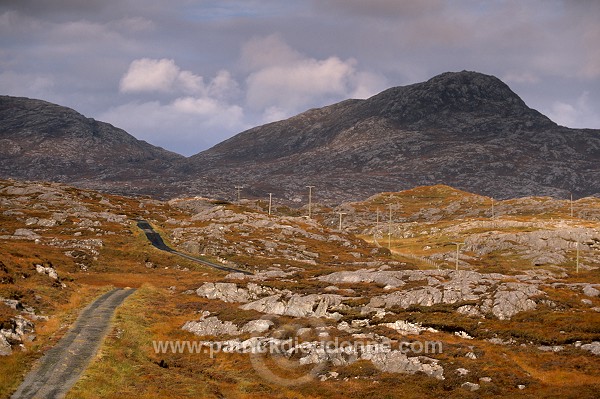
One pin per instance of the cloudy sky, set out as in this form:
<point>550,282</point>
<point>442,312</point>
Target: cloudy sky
<point>187,74</point>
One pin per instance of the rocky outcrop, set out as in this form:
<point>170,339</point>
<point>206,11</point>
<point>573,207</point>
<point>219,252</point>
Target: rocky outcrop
<point>407,328</point>
<point>14,333</point>
<point>593,347</point>
<point>311,305</point>
<point>486,294</point>
<point>5,347</point>
<point>590,291</point>
<point>212,326</point>
<point>226,292</point>
<point>316,352</point>
<point>283,237</point>
<point>548,246</point>
<point>230,292</point>
<point>49,270</point>
<point>398,362</point>
<point>272,273</point>
<point>513,298</point>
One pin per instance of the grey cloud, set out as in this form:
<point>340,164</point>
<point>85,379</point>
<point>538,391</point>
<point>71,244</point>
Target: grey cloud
<point>382,8</point>
<point>77,52</point>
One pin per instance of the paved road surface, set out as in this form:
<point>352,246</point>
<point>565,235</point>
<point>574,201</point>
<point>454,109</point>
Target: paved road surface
<point>158,242</point>
<point>56,372</point>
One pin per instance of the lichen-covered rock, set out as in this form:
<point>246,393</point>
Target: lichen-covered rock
<point>407,328</point>
<point>226,292</point>
<point>470,386</point>
<point>49,270</point>
<point>397,362</point>
<point>5,347</point>
<point>512,298</point>
<point>230,292</point>
<point>484,293</point>
<point>312,305</point>
<point>590,291</point>
<point>211,326</point>
<point>257,326</point>
<point>593,347</point>
<point>26,234</point>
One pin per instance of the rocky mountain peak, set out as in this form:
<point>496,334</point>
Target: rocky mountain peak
<point>464,129</point>
<point>454,95</point>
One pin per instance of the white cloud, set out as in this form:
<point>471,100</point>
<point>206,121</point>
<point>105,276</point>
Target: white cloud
<point>158,75</point>
<point>294,85</point>
<point>187,124</point>
<point>213,112</point>
<point>284,82</point>
<point>264,52</point>
<point>579,114</point>
<point>134,24</point>
<point>563,113</point>
<point>197,115</point>
<point>164,76</point>
<point>223,86</point>
<point>520,77</point>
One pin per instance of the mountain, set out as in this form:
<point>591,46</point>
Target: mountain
<point>44,141</point>
<point>463,129</point>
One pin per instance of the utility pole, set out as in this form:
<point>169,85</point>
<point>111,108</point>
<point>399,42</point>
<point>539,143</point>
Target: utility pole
<point>341,214</point>
<point>390,229</point>
<point>571,205</point>
<point>238,188</point>
<point>377,225</point>
<point>577,257</point>
<point>458,244</point>
<point>310,200</point>
<point>270,202</point>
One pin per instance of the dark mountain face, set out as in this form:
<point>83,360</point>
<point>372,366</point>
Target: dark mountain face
<point>44,141</point>
<point>464,129</point>
<point>468,101</point>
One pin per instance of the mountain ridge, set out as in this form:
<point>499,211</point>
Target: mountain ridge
<point>463,129</point>
<point>40,140</point>
<point>442,131</point>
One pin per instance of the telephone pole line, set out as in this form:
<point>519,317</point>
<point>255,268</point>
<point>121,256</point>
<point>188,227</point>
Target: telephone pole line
<point>238,188</point>
<point>310,200</point>
<point>341,214</point>
<point>270,202</point>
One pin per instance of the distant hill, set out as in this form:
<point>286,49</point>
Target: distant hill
<point>44,141</point>
<point>463,129</point>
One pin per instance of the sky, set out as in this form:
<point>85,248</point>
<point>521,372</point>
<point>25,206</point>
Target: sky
<point>188,74</point>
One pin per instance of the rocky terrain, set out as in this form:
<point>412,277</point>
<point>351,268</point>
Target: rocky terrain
<point>390,302</point>
<point>378,304</point>
<point>463,129</point>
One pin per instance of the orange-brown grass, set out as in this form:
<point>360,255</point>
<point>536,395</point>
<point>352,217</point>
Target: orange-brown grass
<point>62,316</point>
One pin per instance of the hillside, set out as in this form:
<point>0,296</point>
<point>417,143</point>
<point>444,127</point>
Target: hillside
<point>517,319</point>
<point>464,129</point>
<point>44,141</point>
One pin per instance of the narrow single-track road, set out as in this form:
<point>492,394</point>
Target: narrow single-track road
<point>158,242</point>
<point>58,370</point>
